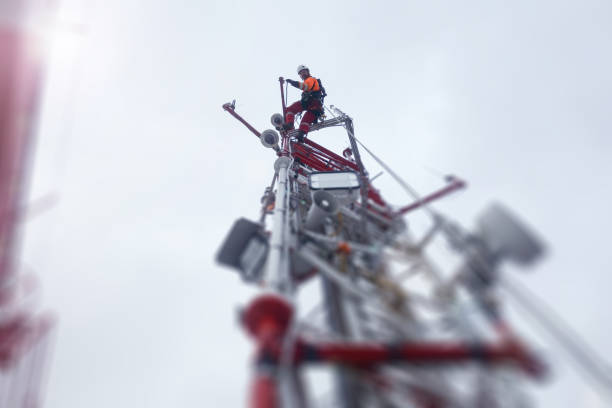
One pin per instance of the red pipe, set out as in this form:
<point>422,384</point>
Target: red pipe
<point>282,81</point>
<point>315,164</point>
<point>378,353</point>
<point>267,319</point>
<point>264,392</point>
<point>375,196</point>
<point>228,107</point>
<point>332,155</point>
<point>455,185</point>
<point>365,354</point>
<point>328,162</point>
<point>307,157</point>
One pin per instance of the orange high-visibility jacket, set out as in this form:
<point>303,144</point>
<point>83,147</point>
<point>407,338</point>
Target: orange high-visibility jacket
<point>310,84</point>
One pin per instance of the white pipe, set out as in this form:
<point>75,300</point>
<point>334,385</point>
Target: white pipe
<point>276,277</point>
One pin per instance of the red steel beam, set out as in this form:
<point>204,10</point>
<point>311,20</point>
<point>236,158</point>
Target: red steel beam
<point>229,107</point>
<point>332,155</point>
<point>309,158</point>
<point>455,185</point>
<point>327,162</point>
<point>308,161</point>
<point>364,354</point>
<point>375,196</point>
<point>282,81</point>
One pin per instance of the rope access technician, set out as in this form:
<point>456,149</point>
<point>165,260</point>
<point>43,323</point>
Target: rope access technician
<point>313,95</point>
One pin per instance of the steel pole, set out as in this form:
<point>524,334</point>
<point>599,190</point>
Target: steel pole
<point>282,81</point>
<point>276,276</point>
<point>454,186</point>
<point>230,109</point>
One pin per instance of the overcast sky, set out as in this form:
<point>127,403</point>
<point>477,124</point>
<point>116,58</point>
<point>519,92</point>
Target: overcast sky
<point>513,97</point>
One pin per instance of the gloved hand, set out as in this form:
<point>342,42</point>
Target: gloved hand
<point>293,83</point>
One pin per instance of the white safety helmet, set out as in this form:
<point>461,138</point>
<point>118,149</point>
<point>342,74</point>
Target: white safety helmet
<point>301,68</point>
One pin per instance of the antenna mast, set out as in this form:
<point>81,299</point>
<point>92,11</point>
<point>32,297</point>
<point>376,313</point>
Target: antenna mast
<point>387,344</point>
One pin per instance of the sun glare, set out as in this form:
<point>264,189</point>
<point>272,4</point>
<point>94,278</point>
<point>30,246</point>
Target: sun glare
<point>64,42</point>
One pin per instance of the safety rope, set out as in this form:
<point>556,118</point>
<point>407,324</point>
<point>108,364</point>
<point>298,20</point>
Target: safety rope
<point>409,189</point>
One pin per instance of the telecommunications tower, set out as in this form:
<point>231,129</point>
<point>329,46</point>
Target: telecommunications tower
<point>393,327</point>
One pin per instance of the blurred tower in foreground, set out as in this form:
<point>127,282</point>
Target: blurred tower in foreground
<point>24,333</point>
<point>395,328</point>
